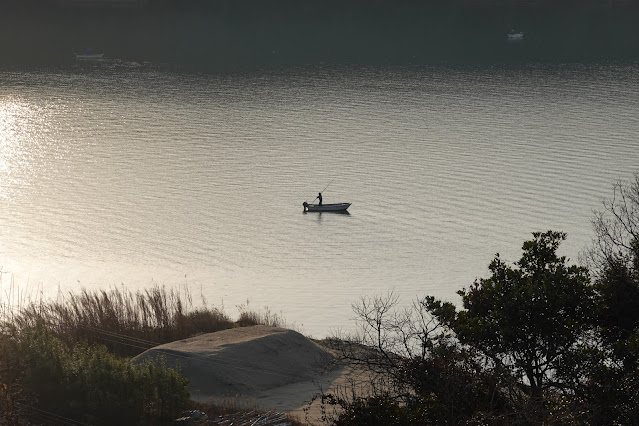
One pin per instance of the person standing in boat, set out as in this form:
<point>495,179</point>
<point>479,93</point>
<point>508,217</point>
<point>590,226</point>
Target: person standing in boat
<point>320,198</point>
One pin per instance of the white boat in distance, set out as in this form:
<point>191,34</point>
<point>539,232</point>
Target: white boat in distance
<point>336,207</point>
<point>89,54</point>
<point>515,36</point>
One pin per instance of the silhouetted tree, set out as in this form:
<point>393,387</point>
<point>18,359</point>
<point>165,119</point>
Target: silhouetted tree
<point>529,316</point>
<point>614,257</point>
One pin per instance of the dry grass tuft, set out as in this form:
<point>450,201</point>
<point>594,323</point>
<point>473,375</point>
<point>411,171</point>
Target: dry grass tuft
<point>127,323</point>
<point>265,317</point>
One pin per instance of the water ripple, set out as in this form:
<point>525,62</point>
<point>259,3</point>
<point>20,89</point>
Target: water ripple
<point>133,175</point>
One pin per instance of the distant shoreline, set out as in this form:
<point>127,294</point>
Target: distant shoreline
<point>249,33</point>
<point>200,3</point>
<point>32,6</point>
<point>208,34</point>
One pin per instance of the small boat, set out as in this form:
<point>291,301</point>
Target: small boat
<point>89,54</point>
<point>515,35</point>
<point>337,207</point>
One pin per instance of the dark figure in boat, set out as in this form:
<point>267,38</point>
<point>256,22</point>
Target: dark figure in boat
<point>320,198</point>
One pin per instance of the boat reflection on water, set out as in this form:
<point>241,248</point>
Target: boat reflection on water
<point>338,212</point>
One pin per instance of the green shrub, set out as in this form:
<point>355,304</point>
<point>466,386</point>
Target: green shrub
<point>13,401</point>
<point>379,410</point>
<point>89,384</point>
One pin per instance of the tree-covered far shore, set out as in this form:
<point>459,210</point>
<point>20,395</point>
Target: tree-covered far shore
<point>246,32</point>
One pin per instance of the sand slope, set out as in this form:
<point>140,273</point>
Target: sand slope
<point>260,367</point>
<point>244,361</point>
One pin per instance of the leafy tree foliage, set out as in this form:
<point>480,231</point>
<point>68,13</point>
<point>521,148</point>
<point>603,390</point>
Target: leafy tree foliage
<point>530,316</point>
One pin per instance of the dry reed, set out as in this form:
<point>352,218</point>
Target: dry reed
<point>127,323</point>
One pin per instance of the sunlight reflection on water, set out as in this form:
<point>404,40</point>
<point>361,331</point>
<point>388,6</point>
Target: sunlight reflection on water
<point>115,175</point>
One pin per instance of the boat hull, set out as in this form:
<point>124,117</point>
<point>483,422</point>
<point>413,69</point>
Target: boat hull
<point>337,207</point>
<point>89,56</point>
<point>515,36</point>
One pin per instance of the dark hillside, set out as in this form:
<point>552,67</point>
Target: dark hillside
<point>241,33</point>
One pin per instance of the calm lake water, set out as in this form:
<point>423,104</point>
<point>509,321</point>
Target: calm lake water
<point>129,175</point>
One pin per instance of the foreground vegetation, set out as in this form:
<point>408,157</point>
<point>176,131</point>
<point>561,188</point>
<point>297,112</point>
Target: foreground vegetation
<point>67,361</point>
<point>537,342</point>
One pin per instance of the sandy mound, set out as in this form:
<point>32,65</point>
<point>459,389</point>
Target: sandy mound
<point>244,361</point>
<point>260,367</point>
